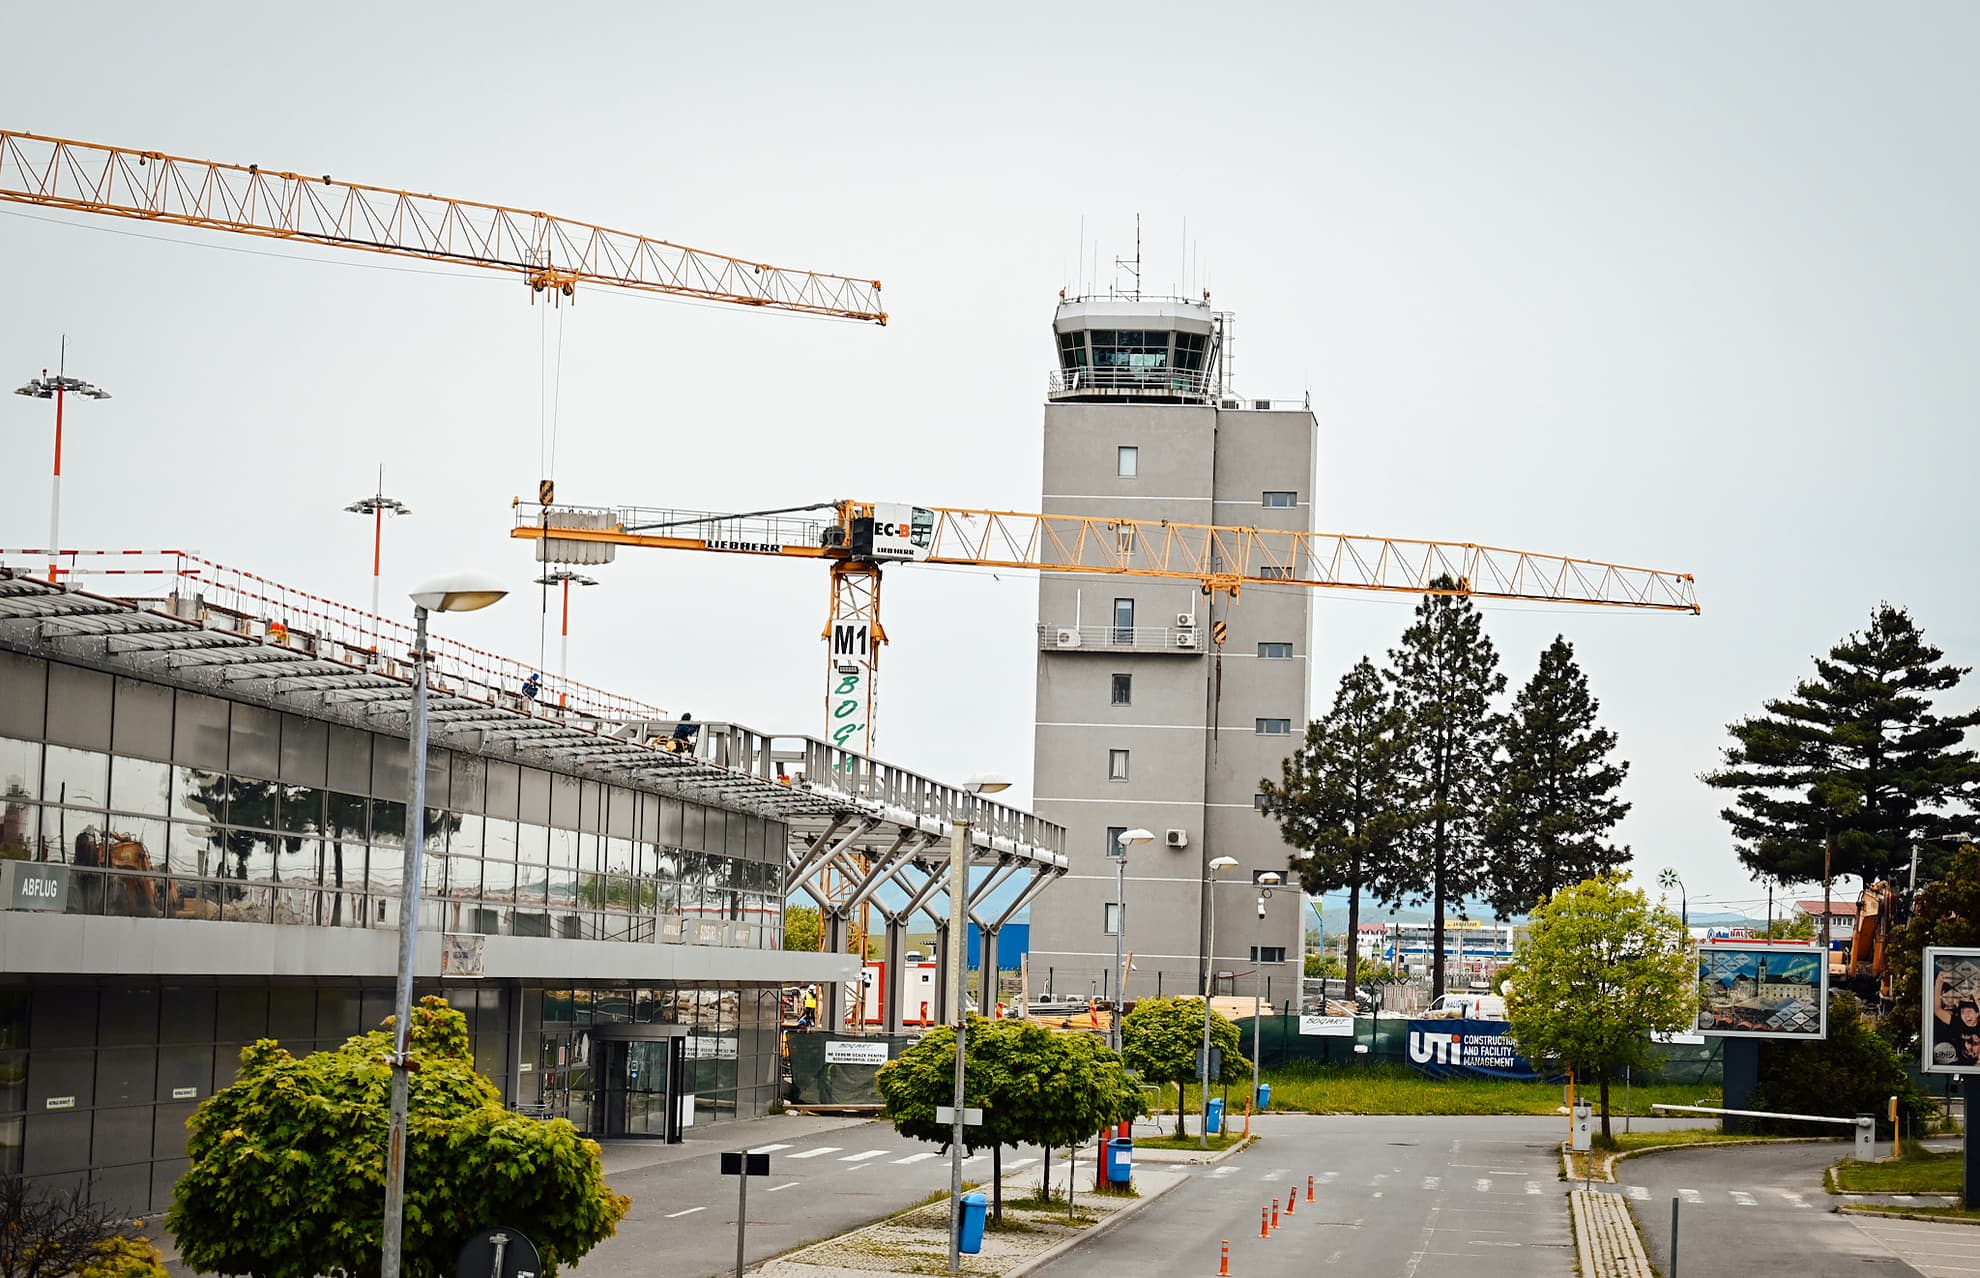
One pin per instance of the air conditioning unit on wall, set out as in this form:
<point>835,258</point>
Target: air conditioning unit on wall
<point>1178,838</point>
<point>1067,638</point>
<point>1185,619</point>
<point>1185,639</point>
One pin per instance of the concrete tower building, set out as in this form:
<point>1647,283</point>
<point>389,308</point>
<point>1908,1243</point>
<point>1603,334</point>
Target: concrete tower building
<point>1145,719</point>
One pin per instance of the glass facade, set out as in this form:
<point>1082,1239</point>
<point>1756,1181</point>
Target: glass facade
<point>209,809</point>
<point>169,804</point>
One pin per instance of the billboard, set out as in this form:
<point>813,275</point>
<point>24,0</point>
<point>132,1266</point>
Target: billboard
<point>1467,1049</point>
<point>1757,989</point>
<point>1950,1023</point>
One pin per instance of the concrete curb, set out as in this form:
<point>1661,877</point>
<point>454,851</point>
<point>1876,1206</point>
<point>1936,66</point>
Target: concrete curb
<point>1844,1209</point>
<point>1604,1173</point>
<point>1099,1228</point>
<point>1605,1239</point>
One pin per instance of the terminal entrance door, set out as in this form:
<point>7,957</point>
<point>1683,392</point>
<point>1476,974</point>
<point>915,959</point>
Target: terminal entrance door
<point>638,1083</point>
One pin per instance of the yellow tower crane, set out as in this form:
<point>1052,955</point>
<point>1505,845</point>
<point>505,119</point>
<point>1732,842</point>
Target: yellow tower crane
<point>856,538</point>
<point>549,254</point>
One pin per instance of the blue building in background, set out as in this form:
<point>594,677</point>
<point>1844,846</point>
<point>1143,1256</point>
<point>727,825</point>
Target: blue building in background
<point>1013,943</point>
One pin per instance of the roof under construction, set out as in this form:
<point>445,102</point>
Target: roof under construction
<point>191,623</point>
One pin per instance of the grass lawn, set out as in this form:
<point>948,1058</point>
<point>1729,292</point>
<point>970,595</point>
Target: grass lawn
<point>1376,1089</point>
<point>1923,1172</point>
<point>1222,1140</point>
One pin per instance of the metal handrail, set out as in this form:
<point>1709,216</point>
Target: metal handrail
<point>1159,380</point>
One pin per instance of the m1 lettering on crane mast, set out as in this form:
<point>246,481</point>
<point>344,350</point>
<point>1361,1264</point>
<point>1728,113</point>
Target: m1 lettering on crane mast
<point>850,640</point>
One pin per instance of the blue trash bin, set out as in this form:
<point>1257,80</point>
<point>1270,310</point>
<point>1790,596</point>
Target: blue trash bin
<point>974,1207</point>
<point>1214,1120</point>
<point>1264,1096</point>
<point>1120,1160</point>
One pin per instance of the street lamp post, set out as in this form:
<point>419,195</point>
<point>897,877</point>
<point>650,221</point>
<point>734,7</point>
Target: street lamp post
<point>959,836</point>
<point>1209,962</point>
<point>461,592</point>
<point>566,578</point>
<point>378,505</point>
<point>1266,882</point>
<point>1129,839</point>
<point>58,388</point>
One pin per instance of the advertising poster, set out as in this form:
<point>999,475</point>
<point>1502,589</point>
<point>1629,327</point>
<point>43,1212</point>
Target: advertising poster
<point>1474,1049</point>
<point>1950,1024</point>
<point>1751,989</point>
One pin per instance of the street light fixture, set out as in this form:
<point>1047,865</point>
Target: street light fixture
<point>460,592</point>
<point>566,578</point>
<point>1667,878</point>
<point>1209,961</point>
<point>378,505</point>
<point>959,834</point>
<point>1129,839</point>
<point>58,388</point>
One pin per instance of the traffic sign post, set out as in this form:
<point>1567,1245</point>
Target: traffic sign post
<point>742,1165</point>
<point>498,1253</point>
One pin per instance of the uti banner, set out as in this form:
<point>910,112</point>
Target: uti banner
<point>1467,1049</point>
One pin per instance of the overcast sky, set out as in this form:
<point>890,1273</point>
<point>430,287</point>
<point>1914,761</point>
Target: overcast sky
<point>1688,286</point>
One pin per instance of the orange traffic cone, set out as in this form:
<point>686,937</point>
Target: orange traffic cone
<point>1292,1196</point>
<point>1264,1222</point>
<point>1224,1260</point>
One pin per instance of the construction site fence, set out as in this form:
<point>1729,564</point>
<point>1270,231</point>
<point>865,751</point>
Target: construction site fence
<point>815,1080</point>
<point>1386,1040</point>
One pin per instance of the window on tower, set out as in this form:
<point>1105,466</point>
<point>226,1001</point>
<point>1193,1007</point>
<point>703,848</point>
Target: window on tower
<point>1127,459</point>
<point>1123,689</point>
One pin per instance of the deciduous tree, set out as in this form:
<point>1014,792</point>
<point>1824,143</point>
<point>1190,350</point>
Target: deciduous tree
<point>801,928</point>
<point>1856,767</point>
<point>288,1163</point>
<point>1341,803</point>
<point>1444,674</point>
<point>1036,1086</point>
<point>1946,912</point>
<point>1160,1039</point>
<point>1553,789</point>
<point>1600,969</point>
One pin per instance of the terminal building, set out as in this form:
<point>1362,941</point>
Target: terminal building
<point>1160,707</point>
<point>202,824</point>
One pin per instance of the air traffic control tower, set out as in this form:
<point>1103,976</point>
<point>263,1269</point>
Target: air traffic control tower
<point>1159,707</point>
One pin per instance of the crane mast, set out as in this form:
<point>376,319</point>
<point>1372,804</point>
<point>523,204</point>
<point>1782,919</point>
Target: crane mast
<point>552,255</point>
<point>856,538</point>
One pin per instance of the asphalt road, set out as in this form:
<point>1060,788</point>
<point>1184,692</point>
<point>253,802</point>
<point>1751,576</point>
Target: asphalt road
<point>826,1176</point>
<point>1399,1197</point>
<point>1757,1210</point>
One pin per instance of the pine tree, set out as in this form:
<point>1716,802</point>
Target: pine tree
<point>1445,674</point>
<point>1342,804</point>
<point>1855,769</point>
<point>1554,790</point>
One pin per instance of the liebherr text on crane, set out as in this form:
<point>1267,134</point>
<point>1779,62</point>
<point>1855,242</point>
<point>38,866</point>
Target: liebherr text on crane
<point>856,538</point>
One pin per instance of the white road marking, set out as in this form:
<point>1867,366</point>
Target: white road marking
<point>787,1184</point>
<point>1376,1194</point>
<point>973,1157</point>
<point>1743,1198</point>
<point>675,1215</point>
<point>819,1152</point>
<point>1532,1186</point>
<point>1376,1179</point>
<point>1015,1162</point>
<point>1638,1192</point>
<point>1326,1178</point>
<point>924,1154</point>
<point>1691,1195</point>
<point>865,1154</point>
<point>1795,1199</point>
<point>1221,1171</point>
<point>1429,1182</point>
<point>771,1149</point>
<point>1898,1198</point>
<point>1483,1184</point>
